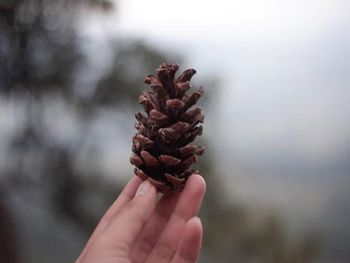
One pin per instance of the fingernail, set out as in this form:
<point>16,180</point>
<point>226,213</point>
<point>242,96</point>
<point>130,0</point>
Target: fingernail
<point>143,188</point>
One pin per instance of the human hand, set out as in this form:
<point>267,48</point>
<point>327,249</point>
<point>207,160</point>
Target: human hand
<point>137,228</point>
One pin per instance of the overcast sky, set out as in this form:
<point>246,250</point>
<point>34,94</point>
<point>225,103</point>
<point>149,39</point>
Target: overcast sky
<point>285,66</point>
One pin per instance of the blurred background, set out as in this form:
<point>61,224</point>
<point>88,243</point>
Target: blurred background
<point>276,75</point>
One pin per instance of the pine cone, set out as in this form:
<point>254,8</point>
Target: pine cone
<point>162,151</point>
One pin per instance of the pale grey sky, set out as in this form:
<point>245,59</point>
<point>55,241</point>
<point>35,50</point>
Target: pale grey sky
<point>285,66</point>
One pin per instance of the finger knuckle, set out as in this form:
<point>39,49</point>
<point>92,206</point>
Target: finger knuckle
<point>146,245</point>
<point>139,212</point>
<point>165,251</point>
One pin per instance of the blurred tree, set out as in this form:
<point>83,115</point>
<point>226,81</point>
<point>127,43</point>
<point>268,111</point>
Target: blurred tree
<point>44,65</point>
<point>41,57</point>
<point>8,237</point>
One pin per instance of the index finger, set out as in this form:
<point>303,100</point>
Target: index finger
<point>125,196</point>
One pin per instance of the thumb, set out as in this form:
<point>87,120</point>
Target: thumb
<point>128,223</point>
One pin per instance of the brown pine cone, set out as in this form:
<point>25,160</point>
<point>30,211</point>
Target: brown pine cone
<point>162,151</point>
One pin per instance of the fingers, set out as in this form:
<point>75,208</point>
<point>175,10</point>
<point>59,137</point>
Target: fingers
<point>152,230</point>
<point>125,196</point>
<point>190,243</point>
<point>133,218</point>
<point>187,207</point>
<point>126,225</point>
